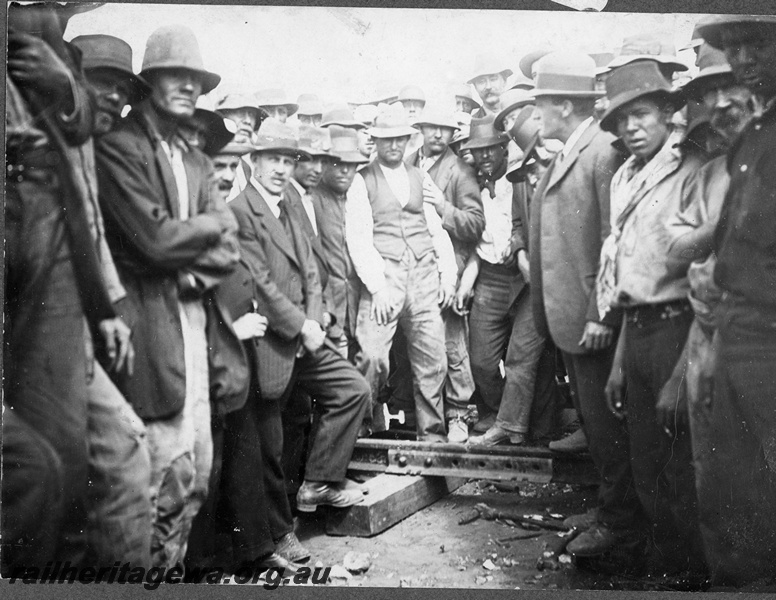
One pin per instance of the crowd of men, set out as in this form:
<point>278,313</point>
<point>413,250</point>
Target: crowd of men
<point>206,308</point>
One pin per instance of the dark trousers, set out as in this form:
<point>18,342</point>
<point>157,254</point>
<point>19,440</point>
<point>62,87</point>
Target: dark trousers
<point>342,398</point>
<point>734,444</point>
<point>661,464</point>
<point>608,441</point>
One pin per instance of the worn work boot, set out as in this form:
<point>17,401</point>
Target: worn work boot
<point>496,436</point>
<point>582,521</point>
<point>315,493</point>
<point>457,431</point>
<point>571,444</point>
<point>484,423</point>
<point>595,541</point>
<point>290,548</point>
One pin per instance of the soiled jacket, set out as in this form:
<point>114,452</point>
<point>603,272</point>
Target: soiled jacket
<point>462,216</point>
<point>155,252</point>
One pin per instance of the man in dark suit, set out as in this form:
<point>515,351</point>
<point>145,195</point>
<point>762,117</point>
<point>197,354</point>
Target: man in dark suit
<point>294,351</point>
<point>569,220</point>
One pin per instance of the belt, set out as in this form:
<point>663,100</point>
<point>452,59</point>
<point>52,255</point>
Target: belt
<point>645,314</point>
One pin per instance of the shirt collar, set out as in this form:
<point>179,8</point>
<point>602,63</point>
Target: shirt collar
<point>273,200</point>
<point>298,187</point>
<point>574,137</point>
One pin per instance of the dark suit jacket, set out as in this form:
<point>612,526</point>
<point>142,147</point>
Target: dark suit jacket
<point>285,283</point>
<point>153,250</point>
<point>463,217</point>
<point>293,196</point>
<point>569,221</point>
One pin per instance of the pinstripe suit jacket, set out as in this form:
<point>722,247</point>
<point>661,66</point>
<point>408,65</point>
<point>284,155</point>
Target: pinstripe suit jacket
<point>284,282</point>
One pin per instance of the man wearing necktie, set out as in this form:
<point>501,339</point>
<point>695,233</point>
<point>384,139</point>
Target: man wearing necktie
<point>283,280</point>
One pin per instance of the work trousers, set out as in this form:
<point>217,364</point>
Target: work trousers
<point>734,444</point>
<point>661,464</point>
<point>414,287</point>
<point>182,449</point>
<point>119,501</point>
<point>607,438</point>
<point>502,327</point>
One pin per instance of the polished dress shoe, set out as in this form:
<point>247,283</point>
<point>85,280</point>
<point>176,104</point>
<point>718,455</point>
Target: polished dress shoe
<point>313,494</point>
<point>290,548</point>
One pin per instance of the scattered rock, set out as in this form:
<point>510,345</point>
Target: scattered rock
<point>480,580</point>
<point>357,562</point>
<point>488,564</point>
<point>340,572</point>
<point>564,559</point>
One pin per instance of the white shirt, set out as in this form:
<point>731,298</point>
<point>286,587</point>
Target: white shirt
<point>498,222</point>
<point>175,156</point>
<point>307,204</point>
<point>574,137</point>
<point>272,200</point>
<point>359,231</point>
<point>426,162</point>
<point>240,182</point>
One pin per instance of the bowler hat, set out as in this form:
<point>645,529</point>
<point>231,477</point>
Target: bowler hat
<point>528,62</point>
<point>465,91</point>
<point>411,92</point>
<point>569,74</point>
<point>341,115</point>
<point>391,122</point>
<point>489,64</point>
<point>711,28</point>
<point>510,100</point>
<point>713,65</point>
<point>632,81</point>
<point>344,145</point>
<point>436,118</point>
<point>176,47</point>
<point>101,51</point>
<point>275,136</point>
<point>236,101</point>
<point>315,140</point>
<point>482,134</point>
<point>275,97</point>
<point>652,46</point>
<point>309,104</point>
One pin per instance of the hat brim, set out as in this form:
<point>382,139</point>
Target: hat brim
<point>218,135</point>
<point>291,108</point>
<point>624,59</point>
<point>498,122</point>
<point>296,153</point>
<point>260,114</point>
<point>505,72</point>
<point>391,132</point>
<point>140,87</point>
<point>538,93</point>
<point>209,80</point>
<point>450,125</point>
<point>529,150</point>
<point>493,140</point>
<point>316,153</point>
<point>608,121</point>
<point>234,149</point>
<point>692,89</point>
<point>348,124</point>
<point>350,157</point>
<point>712,32</point>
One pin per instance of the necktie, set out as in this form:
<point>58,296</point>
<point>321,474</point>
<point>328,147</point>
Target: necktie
<point>283,217</point>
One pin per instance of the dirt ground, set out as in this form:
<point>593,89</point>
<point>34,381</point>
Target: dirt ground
<point>430,549</point>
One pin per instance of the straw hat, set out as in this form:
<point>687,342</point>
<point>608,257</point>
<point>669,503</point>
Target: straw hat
<point>569,74</point>
<point>391,123</point>
<point>632,81</point>
<point>437,118</point>
<point>176,47</point>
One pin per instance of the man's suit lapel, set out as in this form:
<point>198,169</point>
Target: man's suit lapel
<point>194,180</point>
<point>168,179</point>
<point>269,222</point>
<point>307,228</point>
<point>563,166</point>
<point>442,170</point>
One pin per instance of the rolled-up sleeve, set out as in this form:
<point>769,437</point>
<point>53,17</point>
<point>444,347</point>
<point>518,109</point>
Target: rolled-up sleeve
<point>359,234</point>
<point>448,268</point>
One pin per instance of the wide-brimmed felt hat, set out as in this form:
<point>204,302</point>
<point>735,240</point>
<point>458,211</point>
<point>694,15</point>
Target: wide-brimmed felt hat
<point>461,135</point>
<point>236,101</point>
<point>525,128</point>
<point>483,134</point>
<point>235,149</point>
<point>569,74</point>
<point>711,28</point>
<point>632,81</point>
<point>411,92</point>
<point>275,97</point>
<point>275,136</point>
<point>434,117</point>
<point>655,46</point>
<point>510,100</point>
<point>218,131</point>
<point>518,82</point>
<point>316,141</point>
<point>101,51</point>
<point>342,115</point>
<point>529,60</point>
<point>344,145</point>
<point>488,64</point>
<point>309,104</point>
<point>465,91</point>
<point>391,122</point>
<point>713,65</point>
<point>176,47</point>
